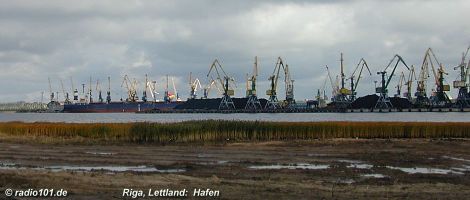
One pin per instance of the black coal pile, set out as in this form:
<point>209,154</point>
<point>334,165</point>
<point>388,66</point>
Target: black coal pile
<point>399,102</point>
<point>366,102</point>
<point>213,104</point>
<point>369,101</point>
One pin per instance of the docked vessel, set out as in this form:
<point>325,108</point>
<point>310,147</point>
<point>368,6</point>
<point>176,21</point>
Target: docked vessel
<point>116,107</point>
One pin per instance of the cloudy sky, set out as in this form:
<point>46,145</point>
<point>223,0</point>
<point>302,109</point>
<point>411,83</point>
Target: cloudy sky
<point>62,39</point>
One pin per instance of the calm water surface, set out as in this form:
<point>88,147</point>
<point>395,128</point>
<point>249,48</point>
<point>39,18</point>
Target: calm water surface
<point>286,117</point>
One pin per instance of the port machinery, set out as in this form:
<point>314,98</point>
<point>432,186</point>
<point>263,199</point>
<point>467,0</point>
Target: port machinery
<point>226,82</point>
<point>342,97</point>
<point>273,102</point>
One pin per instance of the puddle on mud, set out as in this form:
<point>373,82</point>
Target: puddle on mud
<point>360,166</point>
<point>464,168</point>
<point>423,170</point>
<point>204,155</point>
<point>356,164</point>
<point>346,181</point>
<point>100,153</point>
<point>454,158</point>
<point>290,166</point>
<point>219,162</point>
<point>374,175</point>
<point>58,168</point>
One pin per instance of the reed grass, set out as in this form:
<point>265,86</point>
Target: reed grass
<point>218,131</point>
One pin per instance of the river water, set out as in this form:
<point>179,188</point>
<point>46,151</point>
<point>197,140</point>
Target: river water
<point>284,117</point>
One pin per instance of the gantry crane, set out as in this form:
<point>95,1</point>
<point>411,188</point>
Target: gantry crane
<point>409,84</point>
<point>108,93</point>
<point>354,83</point>
<point>131,88</point>
<point>166,97</point>
<point>400,84</point>
<point>208,88</point>
<point>225,82</point>
<point>151,85</point>
<point>90,96</point>
<point>176,94</point>
<point>253,102</point>
<point>66,94</point>
<point>422,99</point>
<point>50,91</point>
<point>384,100</point>
<point>334,85</point>
<point>98,88</point>
<point>463,98</point>
<point>440,99</point>
<point>273,102</point>
<point>194,85</point>
<point>321,95</point>
<point>144,92</point>
<point>341,99</point>
<point>289,84</point>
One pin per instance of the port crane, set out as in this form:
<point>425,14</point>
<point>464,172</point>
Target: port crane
<point>90,99</point>
<point>409,83</point>
<point>98,88</point>
<point>440,99</point>
<point>108,93</point>
<point>384,100</point>
<point>289,84</point>
<point>66,94</point>
<point>208,88</point>
<point>131,88</point>
<point>253,102</point>
<point>176,94</point>
<point>194,85</point>
<point>422,99</point>
<point>321,95</point>
<point>463,98</point>
<point>226,82</point>
<point>144,92</point>
<point>151,85</point>
<point>334,85</point>
<point>354,82</point>
<point>50,91</point>
<point>400,84</point>
<point>273,102</point>
<point>341,99</point>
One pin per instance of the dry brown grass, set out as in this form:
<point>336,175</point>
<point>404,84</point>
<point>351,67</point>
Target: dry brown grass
<point>217,131</point>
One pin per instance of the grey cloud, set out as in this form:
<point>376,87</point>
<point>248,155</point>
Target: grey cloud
<point>60,39</point>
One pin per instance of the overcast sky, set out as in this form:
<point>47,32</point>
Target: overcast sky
<point>62,39</point>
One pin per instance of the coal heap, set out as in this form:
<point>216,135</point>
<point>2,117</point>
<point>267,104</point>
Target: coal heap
<point>399,102</point>
<point>213,104</point>
<point>369,101</point>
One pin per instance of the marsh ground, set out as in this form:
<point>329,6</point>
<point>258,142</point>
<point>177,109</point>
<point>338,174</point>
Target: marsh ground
<point>329,169</point>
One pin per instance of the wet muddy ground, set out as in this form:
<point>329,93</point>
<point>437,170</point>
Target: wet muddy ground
<point>329,169</point>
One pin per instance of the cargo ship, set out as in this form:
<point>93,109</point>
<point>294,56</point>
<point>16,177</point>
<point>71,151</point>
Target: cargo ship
<point>116,107</point>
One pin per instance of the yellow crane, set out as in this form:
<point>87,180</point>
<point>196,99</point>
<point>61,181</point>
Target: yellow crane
<point>399,86</point>
<point>409,83</point>
<point>273,102</point>
<point>226,82</point>
<point>355,80</point>
<point>253,102</point>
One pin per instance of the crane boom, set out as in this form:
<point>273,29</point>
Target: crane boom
<point>384,100</point>
<point>272,92</point>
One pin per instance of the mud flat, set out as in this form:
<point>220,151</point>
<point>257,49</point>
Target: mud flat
<point>315,169</point>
